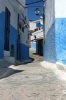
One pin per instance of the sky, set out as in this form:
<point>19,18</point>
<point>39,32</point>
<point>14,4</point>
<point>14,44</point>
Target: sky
<point>31,9</point>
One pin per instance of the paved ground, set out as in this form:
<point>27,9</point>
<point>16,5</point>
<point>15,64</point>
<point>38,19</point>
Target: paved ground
<point>32,81</point>
<point>36,57</point>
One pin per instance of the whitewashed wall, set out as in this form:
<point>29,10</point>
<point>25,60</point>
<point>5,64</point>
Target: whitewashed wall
<point>14,15</point>
<point>60,9</point>
<point>32,25</point>
<point>38,34</point>
<point>49,44</point>
<point>49,14</point>
<point>24,37</point>
<point>22,1</point>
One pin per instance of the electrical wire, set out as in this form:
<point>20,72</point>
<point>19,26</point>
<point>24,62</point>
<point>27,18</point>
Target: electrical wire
<point>33,6</point>
<point>34,2</point>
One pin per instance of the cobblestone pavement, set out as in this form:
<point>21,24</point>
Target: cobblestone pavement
<point>33,81</point>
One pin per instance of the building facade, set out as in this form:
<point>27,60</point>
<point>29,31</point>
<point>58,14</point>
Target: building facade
<point>37,36</point>
<point>55,31</point>
<point>13,30</point>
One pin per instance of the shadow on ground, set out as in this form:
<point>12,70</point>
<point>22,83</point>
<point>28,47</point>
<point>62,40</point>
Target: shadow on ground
<point>36,57</point>
<point>5,71</point>
<point>24,62</point>
<point>37,54</point>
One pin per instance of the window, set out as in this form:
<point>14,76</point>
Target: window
<point>22,29</point>
<point>20,26</point>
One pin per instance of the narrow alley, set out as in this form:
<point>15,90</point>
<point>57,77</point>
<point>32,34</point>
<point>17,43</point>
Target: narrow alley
<point>32,50</point>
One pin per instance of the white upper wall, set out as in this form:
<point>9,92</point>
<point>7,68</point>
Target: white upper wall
<point>14,14</point>
<point>22,1</point>
<point>32,25</point>
<point>1,5</point>
<point>37,21</point>
<point>24,37</point>
<point>12,9</point>
<point>60,8</point>
<point>19,5</point>
<point>49,14</point>
<point>38,34</point>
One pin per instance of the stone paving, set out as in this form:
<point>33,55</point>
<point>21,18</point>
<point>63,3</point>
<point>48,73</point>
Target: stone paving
<point>33,81</point>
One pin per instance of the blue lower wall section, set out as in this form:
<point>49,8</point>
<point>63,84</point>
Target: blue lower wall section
<point>33,45</point>
<point>13,36</point>
<point>13,39</point>
<point>49,45</point>
<point>2,30</point>
<point>60,34</point>
<point>24,52</point>
<point>55,42</point>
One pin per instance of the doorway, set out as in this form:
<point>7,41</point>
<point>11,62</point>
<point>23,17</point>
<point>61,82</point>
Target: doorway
<point>39,47</point>
<point>7,29</point>
<point>18,42</point>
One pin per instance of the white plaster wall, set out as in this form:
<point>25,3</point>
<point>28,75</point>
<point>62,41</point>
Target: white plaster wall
<point>18,5</point>
<point>1,5</point>
<point>13,10</point>
<point>14,14</point>
<point>60,9</point>
<point>38,34</point>
<point>41,21</point>
<point>22,1</point>
<point>49,14</point>
<point>32,25</point>
<point>24,37</point>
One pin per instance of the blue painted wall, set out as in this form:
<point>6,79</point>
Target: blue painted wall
<point>13,36</point>
<point>2,29</point>
<point>55,42</point>
<point>49,45</point>
<point>13,40</point>
<point>33,45</point>
<point>24,52</point>
<point>60,36</point>
<point>38,25</point>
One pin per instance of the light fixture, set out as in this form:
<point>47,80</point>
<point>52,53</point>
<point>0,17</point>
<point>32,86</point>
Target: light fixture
<point>37,11</point>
